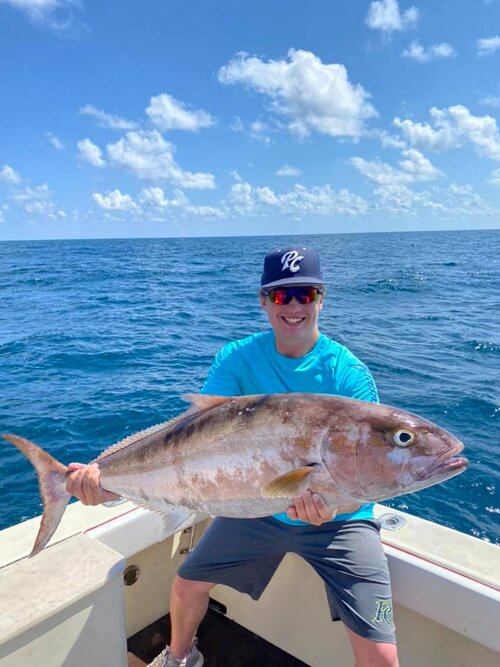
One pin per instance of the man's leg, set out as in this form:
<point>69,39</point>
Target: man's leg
<point>188,606</point>
<point>368,653</point>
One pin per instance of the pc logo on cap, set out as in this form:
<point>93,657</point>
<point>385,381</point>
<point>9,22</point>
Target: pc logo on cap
<point>291,266</point>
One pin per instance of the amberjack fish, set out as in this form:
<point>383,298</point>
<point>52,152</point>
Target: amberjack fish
<point>248,456</point>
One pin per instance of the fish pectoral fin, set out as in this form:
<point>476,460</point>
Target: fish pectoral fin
<point>289,484</point>
<point>205,402</point>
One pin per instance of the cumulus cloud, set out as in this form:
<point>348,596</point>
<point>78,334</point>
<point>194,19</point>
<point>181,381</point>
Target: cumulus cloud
<point>54,141</point>
<point>38,201</point>
<point>495,177</point>
<point>488,45</point>
<point>491,101</point>
<point>287,170</point>
<point>413,167</point>
<point>89,152</point>
<point>55,14</point>
<point>424,55</point>
<point>167,113</point>
<point>453,127</point>
<point>386,16</point>
<point>247,199</point>
<point>9,175</point>
<point>149,156</point>
<point>153,204</point>
<point>114,201</point>
<point>313,96</point>
<point>156,197</point>
<point>107,120</point>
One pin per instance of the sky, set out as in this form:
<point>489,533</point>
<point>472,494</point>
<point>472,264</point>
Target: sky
<point>126,118</point>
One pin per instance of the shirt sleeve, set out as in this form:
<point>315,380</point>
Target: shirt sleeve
<point>354,380</point>
<point>222,379</point>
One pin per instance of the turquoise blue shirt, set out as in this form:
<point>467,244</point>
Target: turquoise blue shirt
<point>253,366</point>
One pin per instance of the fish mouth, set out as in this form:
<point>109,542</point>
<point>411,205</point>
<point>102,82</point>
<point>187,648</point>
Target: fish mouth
<point>444,469</point>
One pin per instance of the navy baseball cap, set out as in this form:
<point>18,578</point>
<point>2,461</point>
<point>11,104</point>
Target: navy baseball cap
<point>291,266</point>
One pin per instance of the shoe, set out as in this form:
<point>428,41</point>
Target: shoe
<point>166,659</point>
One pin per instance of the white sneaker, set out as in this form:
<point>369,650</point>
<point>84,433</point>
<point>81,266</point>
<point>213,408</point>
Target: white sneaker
<point>166,659</point>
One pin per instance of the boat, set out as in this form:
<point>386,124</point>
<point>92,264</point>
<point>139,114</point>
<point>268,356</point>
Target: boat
<point>98,595</point>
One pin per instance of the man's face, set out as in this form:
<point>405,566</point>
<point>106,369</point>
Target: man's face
<point>294,320</point>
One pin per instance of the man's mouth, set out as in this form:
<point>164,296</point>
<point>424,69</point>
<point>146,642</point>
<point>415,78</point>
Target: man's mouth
<point>293,321</point>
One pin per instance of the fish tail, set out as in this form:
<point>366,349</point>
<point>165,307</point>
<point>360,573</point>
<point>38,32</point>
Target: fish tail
<point>52,484</point>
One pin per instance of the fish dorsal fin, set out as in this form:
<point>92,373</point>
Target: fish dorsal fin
<point>289,484</point>
<point>135,437</point>
<point>205,402</point>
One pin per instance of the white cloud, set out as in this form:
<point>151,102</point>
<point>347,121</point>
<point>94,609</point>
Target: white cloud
<point>287,170</point>
<point>386,16</point>
<point>386,139</point>
<point>167,113</point>
<point>488,45</point>
<point>444,203</point>
<point>107,120</point>
<point>491,101</point>
<point>453,127</point>
<point>114,201</point>
<point>312,95</point>
<point>246,199</point>
<point>9,175</point>
<point>156,197</point>
<point>89,152</point>
<point>38,201</point>
<point>54,141</point>
<point>55,14</point>
<point>149,156</point>
<point>258,130</point>
<point>413,167</point>
<point>152,204</point>
<point>417,52</point>
<point>495,177</point>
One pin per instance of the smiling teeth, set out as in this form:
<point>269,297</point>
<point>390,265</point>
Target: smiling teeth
<point>293,319</point>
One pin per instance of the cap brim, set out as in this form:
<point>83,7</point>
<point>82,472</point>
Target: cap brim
<point>302,280</point>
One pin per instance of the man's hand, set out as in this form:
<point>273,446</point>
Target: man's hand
<point>84,483</point>
<point>310,507</point>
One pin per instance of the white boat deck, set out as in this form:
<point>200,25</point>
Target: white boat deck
<point>68,605</point>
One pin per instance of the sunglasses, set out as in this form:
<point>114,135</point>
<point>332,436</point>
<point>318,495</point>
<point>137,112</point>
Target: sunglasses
<point>281,296</point>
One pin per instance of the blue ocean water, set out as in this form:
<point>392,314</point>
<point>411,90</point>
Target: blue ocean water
<point>99,339</point>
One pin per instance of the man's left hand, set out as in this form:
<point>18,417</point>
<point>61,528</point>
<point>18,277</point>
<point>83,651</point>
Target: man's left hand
<point>310,507</point>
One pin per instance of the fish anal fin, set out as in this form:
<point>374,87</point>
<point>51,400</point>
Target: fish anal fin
<point>289,484</point>
<point>205,402</point>
<point>174,518</point>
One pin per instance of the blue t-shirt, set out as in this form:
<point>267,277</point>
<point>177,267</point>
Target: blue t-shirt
<point>253,366</point>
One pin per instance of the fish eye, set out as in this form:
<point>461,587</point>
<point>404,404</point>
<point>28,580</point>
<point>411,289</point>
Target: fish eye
<point>403,438</point>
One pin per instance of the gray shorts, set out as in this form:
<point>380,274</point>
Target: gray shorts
<point>347,555</point>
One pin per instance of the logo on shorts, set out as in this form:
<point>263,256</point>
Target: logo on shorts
<point>290,260</point>
<point>383,612</point>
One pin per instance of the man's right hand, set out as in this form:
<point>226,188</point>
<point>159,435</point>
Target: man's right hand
<point>84,483</point>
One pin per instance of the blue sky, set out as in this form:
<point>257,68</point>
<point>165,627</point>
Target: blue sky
<point>168,118</point>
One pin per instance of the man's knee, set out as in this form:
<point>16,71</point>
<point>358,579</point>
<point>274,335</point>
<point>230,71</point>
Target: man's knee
<point>188,589</point>
<point>370,653</point>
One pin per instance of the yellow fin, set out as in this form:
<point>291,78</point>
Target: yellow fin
<point>289,484</point>
<point>205,402</point>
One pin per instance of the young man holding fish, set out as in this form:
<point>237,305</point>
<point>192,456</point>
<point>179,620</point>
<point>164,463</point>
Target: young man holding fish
<point>344,549</point>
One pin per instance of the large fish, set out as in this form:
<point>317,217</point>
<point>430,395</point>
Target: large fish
<point>248,456</point>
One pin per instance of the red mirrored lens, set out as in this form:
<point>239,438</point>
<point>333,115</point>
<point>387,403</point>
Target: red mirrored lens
<point>282,296</point>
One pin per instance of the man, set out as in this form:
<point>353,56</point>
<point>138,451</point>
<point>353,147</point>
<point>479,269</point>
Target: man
<point>345,551</point>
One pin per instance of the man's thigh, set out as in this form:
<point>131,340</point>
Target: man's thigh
<point>351,561</point>
<point>240,553</point>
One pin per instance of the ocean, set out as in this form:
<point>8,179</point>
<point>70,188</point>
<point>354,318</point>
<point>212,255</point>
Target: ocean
<point>101,338</point>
